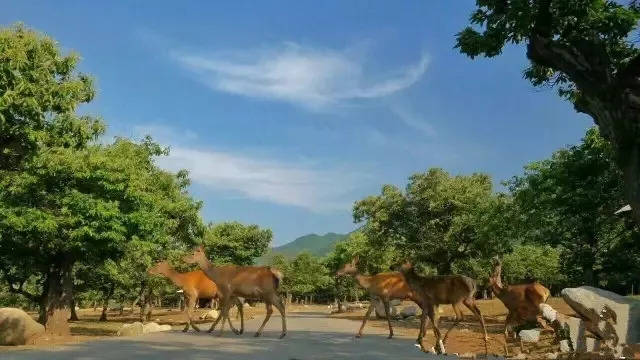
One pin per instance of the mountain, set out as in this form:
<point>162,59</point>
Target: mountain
<point>317,245</point>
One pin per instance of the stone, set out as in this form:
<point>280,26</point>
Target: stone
<point>395,302</point>
<point>380,313</point>
<point>408,311</point>
<point>133,329</point>
<point>211,314</point>
<point>17,327</point>
<point>154,327</point>
<point>520,356</point>
<point>565,347</point>
<point>613,317</point>
<point>551,356</point>
<point>530,336</point>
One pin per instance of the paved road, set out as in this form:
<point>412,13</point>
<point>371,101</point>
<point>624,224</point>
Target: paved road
<point>311,336</point>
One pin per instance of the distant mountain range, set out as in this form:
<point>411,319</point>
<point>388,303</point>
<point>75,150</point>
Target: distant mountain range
<point>317,245</point>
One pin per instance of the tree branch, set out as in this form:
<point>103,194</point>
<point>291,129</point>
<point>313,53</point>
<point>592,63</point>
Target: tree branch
<point>630,75</point>
<point>20,291</point>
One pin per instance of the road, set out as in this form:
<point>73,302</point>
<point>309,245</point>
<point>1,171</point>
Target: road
<point>310,336</point>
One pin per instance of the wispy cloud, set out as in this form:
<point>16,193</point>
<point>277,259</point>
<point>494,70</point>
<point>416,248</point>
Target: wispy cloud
<point>413,120</point>
<point>310,185</point>
<point>310,77</point>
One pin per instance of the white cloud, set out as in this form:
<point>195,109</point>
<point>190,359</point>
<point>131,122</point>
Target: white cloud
<point>269,180</point>
<point>413,120</point>
<point>314,78</point>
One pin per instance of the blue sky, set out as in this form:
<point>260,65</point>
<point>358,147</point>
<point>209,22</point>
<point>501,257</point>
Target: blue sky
<point>286,112</point>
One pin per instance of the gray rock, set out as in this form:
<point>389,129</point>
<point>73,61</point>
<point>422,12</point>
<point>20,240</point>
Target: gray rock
<point>133,329</point>
<point>154,327</point>
<point>565,347</point>
<point>530,336</point>
<point>17,327</point>
<point>613,317</point>
<point>379,308</point>
<point>409,311</point>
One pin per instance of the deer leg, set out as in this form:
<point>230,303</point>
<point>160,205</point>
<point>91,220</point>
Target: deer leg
<point>436,330</point>
<point>507,327</point>
<point>387,312</point>
<point>280,306</point>
<point>189,312</point>
<point>364,321</point>
<point>241,313</point>
<point>220,316</point>
<point>225,314</point>
<point>459,317</point>
<point>471,305</point>
<point>266,318</point>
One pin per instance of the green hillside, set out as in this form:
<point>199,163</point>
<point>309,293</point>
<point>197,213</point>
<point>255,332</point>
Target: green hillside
<point>318,245</point>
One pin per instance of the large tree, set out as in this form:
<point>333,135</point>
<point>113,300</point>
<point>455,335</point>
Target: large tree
<point>586,49</point>
<point>38,84</point>
<point>68,206</point>
<point>236,243</point>
<point>568,201</point>
<point>438,220</point>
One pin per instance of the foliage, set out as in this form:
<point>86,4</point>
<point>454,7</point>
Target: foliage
<point>235,243</point>
<point>39,92</point>
<point>532,262</point>
<point>585,49</point>
<point>568,201</point>
<point>439,220</point>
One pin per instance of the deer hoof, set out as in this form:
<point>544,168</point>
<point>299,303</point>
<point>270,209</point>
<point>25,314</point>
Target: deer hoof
<point>282,335</point>
<point>358,336</point>
<point>390,336</point>
<point>257,334</point>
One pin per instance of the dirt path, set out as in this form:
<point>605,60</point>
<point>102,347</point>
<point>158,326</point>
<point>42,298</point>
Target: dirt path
<point>312,335</point>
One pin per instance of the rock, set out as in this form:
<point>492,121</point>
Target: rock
<point>380,313</point>
<point>520,356</point>
<point>565,347</point>
<point>613,317</point>
<point>133,329</point>
<point>211,314</point>
<point>247,305</point>
<point>154,327</point>
<point>355,306</point>
<point>409,311</point>
<point>17,327</point>
<point>467,355</point>
<point>395,302</point>
<point>530,336</point>
<point>551,356</point>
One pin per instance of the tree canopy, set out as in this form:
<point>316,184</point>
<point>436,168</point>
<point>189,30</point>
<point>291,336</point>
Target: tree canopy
<point>585,49</point>
<point>236,243</point>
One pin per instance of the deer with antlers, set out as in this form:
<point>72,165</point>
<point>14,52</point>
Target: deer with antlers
<point>252,282</point>
<point>443,289</point>
<point>522,301</point>
<point>385,286</point>
<point>195,285</point>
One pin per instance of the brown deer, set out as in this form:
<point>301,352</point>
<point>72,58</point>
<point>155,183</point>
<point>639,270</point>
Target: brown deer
<point>522,301</point>
<point>252,282</point>
<point>385,286</point>
<point>195,285</point>
<point>443,289</point>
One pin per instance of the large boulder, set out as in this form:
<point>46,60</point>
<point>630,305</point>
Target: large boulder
<point>380,313</point>
<point>211,314</point>
<point>152,327</point>
<point>409,311</point>
<point>133,329</point>
<point>17,327</point>
<point>530,335</point>
<point>612,317</point>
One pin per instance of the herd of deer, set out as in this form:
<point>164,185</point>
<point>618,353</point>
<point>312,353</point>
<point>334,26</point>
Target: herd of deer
<point>228,283</point>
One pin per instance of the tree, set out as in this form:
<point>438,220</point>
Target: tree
<point>307,275</point>
<point>439,220</point>
<point>235,243</point>
<point>568,202</point>
<point>532,262</point>
<point>38,86</point>
<point>584,48</point>
<point>67,206</point>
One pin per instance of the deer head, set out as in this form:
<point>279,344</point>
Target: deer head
<point>198,255</point>
<point>349,268</point>
<point>162,267</point>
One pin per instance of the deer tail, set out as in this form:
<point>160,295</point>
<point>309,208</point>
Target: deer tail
<point>277,277</point>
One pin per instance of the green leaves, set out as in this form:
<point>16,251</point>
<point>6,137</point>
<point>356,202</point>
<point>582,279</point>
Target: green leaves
<point>235,243</point>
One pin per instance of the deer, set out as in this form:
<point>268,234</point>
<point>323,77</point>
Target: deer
<point>253,282</point>
<point>384,286</point>
<point>436,290</point>
<point>195,285</point>
<point>522,301</point>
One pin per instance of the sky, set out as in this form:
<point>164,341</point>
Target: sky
<point>286,112</point>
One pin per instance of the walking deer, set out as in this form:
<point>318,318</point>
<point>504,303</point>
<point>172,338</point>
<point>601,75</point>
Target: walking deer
<point>385,286</point>
<point>521,300</point>
<point>443,289</point>
<point>195,285</point>
<point>252,282</point>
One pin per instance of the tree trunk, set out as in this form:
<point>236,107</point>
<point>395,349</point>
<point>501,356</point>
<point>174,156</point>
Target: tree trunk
<point>105,303</point>
<point>95,305</point>
<point>74,314</point>
<point>59,292</point>
<point>630,164</point>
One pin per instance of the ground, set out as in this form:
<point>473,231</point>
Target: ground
<point>313,334</point>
